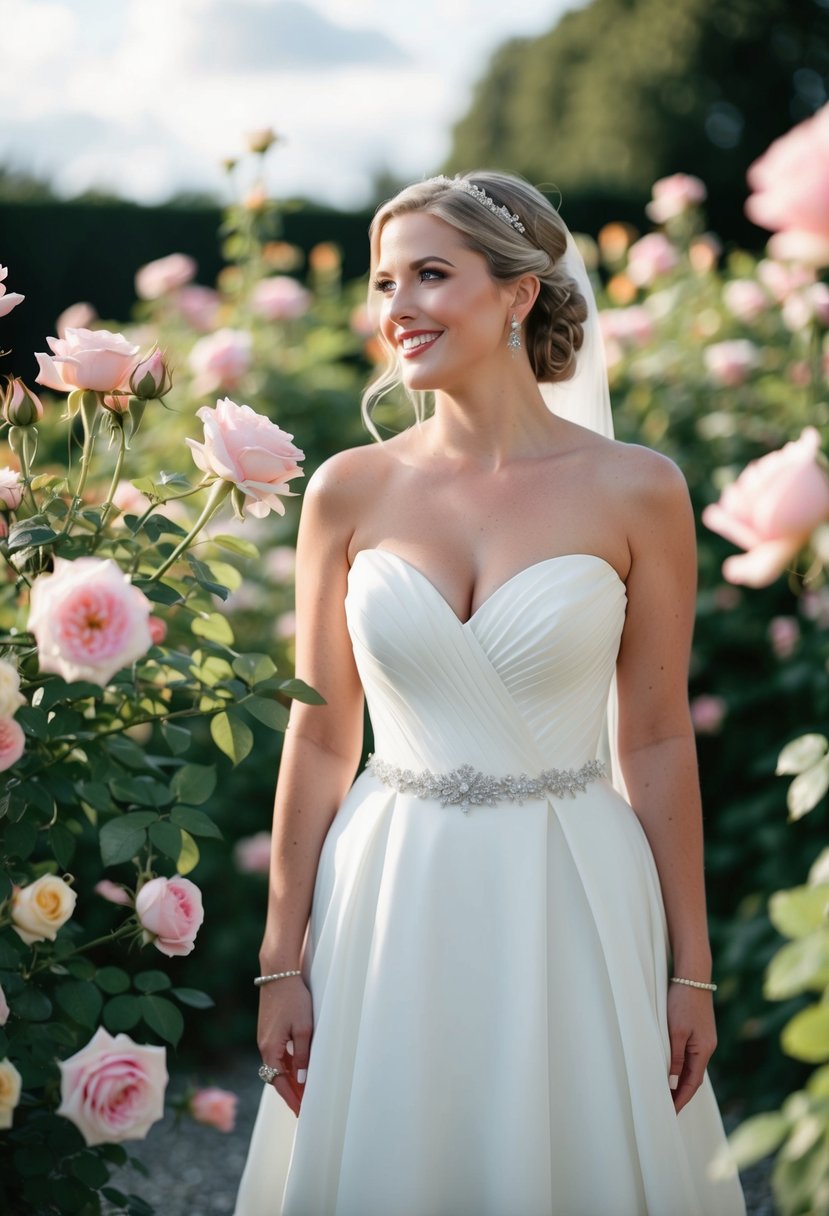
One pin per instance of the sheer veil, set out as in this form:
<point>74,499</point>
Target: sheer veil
<point>585,399</point>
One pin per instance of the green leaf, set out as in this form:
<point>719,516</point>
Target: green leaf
<point>32,1160</point>
<point>151,981</point>
<point>300,691</point>
<point>62,843</point>
<point>89,1168</point>
<point>82,1001</point>
<point>801,754</point>
<point>120,841</point>
<point>195,821</point>
<point>272,713</point>
<point>127,752</point>
<point>254,667</point>
<point>34,721</point>
<point>193,997</point>
<point>32,1005</point>
<point>757,1137</point>
<point>81,968</point>
<point>232,736</point>
<point>194,783</point>
<point>214,627</point>
<point>28,532</point>
<point>225,574</point>
<point>818,1083</point>
<point>112,980</point>
<point>189,856</point>
<point>20,839</point>
<point>122,1013</point>
<point>799,911</point>
<point>167,486</point>
<point>178,737</point>
<point>158,592</point>
<point>798,967</point>
<point>235,544</point>
<point>163,1017</point>
<point>145,791</point>
<point>167,838</point>
<point>806,791</point>
<point>806,1036</point>
<point>96,794</point>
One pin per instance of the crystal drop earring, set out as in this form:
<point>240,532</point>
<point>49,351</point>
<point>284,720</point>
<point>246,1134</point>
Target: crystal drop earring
<point>514,339</point>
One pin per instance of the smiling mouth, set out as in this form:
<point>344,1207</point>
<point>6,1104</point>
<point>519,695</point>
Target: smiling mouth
<point>417,343</point>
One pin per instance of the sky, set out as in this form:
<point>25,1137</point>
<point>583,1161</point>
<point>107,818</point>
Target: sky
<point>146,98</point>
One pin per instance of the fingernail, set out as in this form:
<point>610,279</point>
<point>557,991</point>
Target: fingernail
<point>673,1080</point>
<point>301,1074</point>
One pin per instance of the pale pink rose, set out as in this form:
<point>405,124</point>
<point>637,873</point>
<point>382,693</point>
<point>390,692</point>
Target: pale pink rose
<point>88,620</point>
<point>631,326</point>
<point>87,358</point>
<point>199,306</point>
<point>151,377</point>
<point>129,500</point>
<point>280,563</point>
<point>791,191</point>
<point>280,298</point>
<point>113,1089</point>
<point>814,605</point>
<point>803,307</point>
<point>12,743</point>
<point>4,1008</point>
<point>113,892</point>
<point>41,908</point>
<point>215,1108</point>
<point>781,279</point>
<point>163,276</point>
<point>745,299</point>
<point>10,1084</point>
<point>9,300</point>
<point>252,854</point>
<point>650,257</point>
<point>729,363</point>
<point>262,139</point>
<point>674,195</point>
<point>707,714</point>
<point>11,698</point>
<point>784,634</point>
<point>771,510</point>
<point>285,627</point>
<point>21,406</point>
<point>220,360</point>
<point>158,630</point>
<point>170,911</point>
<point>11,489</point>
<point>256,198</point>
<point>251,451</point>
<point>77,316</point>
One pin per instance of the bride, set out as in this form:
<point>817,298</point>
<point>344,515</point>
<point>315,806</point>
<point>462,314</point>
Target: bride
<point>467,1007</point>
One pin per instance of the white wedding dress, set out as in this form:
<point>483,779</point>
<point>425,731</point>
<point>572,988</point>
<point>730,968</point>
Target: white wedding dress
<point>489,987</point>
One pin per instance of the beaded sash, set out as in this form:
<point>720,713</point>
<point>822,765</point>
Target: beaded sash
<point>466,787</point>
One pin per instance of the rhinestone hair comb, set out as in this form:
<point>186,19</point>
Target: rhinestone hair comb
<point>481,196</point>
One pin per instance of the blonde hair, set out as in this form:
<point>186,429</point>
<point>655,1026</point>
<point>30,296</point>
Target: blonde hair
<point>553,328</point>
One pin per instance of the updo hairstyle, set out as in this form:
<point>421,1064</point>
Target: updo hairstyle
<point>553,330</point>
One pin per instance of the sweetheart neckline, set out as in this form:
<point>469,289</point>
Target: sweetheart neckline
<point>545,561</point>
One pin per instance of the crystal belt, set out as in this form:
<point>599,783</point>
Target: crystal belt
<point>466,787</point>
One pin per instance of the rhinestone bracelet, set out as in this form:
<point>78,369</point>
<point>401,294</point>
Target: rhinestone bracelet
<point>278,975</point>
<point>677,979</point>
<point>466,787</point>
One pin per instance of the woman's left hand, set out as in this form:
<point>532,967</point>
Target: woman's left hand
<point>693,1038</point>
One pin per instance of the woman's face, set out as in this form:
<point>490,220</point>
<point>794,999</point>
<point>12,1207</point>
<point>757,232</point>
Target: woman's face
<point>440,309</point>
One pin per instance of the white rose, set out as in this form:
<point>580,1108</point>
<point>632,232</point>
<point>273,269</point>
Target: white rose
<point>39,909</point>
<point>10,696</point>
<point>10,1080</point>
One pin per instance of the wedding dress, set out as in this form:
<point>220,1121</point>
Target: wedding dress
<point>489,982</point>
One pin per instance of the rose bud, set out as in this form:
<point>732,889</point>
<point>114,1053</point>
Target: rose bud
<point>260,141</point>
<point>21,406</point>
<point>151,377</point>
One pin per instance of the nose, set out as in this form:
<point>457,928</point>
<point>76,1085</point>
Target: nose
<point>400,305</point>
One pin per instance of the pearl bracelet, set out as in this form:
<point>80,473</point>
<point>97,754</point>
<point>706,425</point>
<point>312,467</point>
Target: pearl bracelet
<point>278,975</point>
<point>677,979</point>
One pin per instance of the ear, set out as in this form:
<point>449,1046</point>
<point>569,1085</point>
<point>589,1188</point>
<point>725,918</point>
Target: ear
<point>523,294</point>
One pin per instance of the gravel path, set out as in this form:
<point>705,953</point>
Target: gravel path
<point>194,1170</point>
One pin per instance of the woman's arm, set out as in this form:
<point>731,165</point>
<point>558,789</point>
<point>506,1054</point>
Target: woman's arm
<point>319,759</point>
<point>657,749</point>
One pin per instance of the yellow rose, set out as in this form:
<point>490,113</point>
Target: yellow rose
<point>9,1092</point>
<point>39,910</point>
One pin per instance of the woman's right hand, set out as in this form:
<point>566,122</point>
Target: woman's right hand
<point>286,1016</point>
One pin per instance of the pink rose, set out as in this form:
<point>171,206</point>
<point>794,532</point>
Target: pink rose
<point>220,360</point>
<point>803,307</point>
<point>87,620</point>
<point>215,1108</point>
<point>771,510</point>
<point>21,406</point>
<point>745,299</point>
<point>673,196</point>
<point>163,276</point>
<point>158,630</point>
<point>629,326</point>
<point>151,377</point>
<point>707,713</point>
<point>4,1008</point>
<point>791,192</point>
<point>11,489</point>
<point>113,1089</point>
<point>280,298</point>
<point>11,698</point>
<point>199,306</point>
<point>285,627</point>
<point>40,909</point>
<point>86,358</point>
<point>9,300</point>
<point>784,634</point>
<point>129,500</point>
<point>782,279</point>
<point>12,743</point>
<point>252,854</point>
<point>650,257</point>
<point>113,892</point>
<point>170,911</point>
<point>251,451</point>
<point>280,563</point>
<point>729,363</point>
<point>77,316</point>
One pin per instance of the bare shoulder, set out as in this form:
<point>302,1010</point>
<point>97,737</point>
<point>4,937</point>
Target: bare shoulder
<point>647,477</point>
<point>340,487</point>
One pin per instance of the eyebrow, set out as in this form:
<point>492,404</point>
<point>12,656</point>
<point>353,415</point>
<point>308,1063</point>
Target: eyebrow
<point>433,257</point>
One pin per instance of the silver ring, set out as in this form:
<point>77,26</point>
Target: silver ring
<point>267,1073</point>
